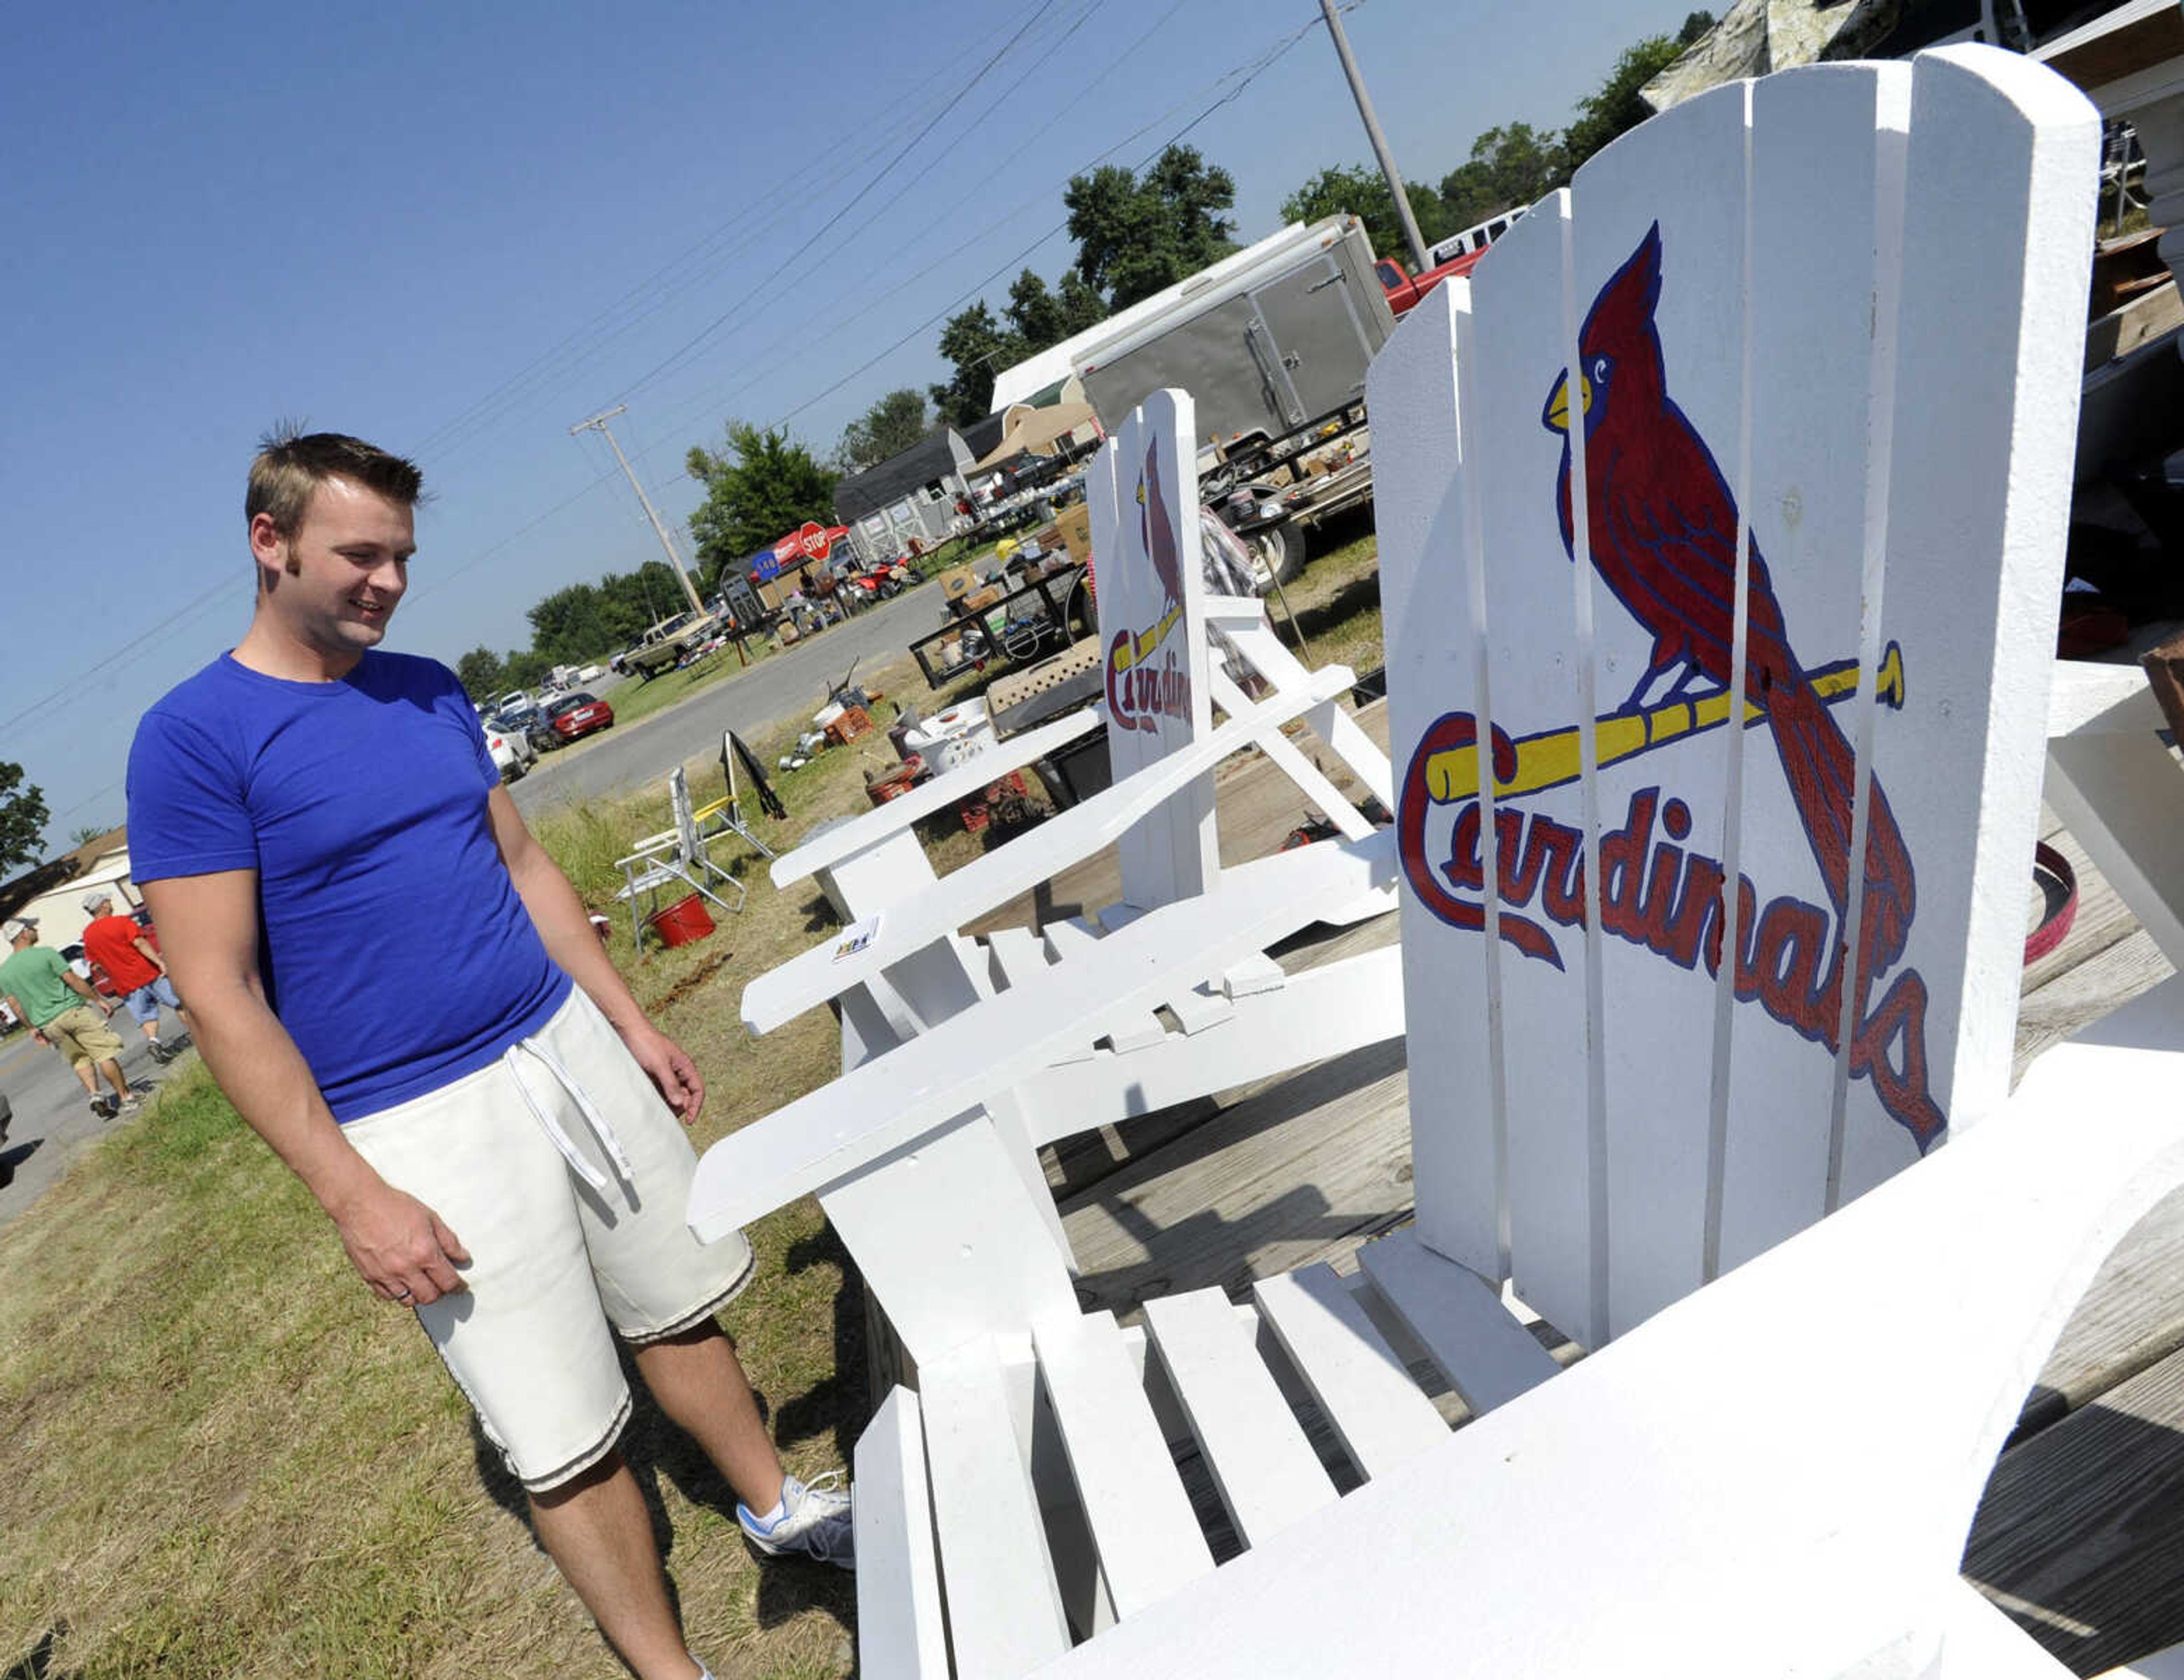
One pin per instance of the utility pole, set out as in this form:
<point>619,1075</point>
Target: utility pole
<point>598,423</point>
<point>1417,243</point>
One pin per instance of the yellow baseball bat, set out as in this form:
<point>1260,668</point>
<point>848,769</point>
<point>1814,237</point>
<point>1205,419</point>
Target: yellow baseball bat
<point>1550,758</point>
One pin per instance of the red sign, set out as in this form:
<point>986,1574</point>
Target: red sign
<point>815,541</point>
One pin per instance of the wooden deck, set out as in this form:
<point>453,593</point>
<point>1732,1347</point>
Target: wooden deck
<point>2082,1534</point>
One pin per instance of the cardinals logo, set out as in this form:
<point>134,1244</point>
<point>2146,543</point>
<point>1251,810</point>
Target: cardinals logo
<point>1661,532</point>
<point>1140,692</point>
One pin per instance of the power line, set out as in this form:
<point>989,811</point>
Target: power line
<point>1265,64</point>
<point>805,249</point>
<point>793,346</point>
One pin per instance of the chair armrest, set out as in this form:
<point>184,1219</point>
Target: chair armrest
<point>821,973</point>
<point>869,829</point>
<point>841,1129</point>
<point>650,848</point>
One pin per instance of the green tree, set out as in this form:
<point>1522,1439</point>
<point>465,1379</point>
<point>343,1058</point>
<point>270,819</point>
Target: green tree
<point>1511,165</point>
<point>87,834</point>
<point>1042,318</point>
<point>1353,189</point>
<point>761,486</point>
<point>565,626</point>
<point>1617,106</point>
<point>528,668</point>
<point>23,816</point>
<point>481,676</point>
<point>630,603</point>
<point>883,430</point>
<point>1136,236</point>
<point>980,346</point>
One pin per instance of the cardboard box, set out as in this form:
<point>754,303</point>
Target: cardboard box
<point>1074,527</point>
<point>979,600</point>
<point>956,582</point>
<point>852,723</point>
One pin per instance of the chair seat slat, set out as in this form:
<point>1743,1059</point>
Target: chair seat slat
<point>1359,1381</point>
<point>1262,1465</point>
<point>1004,1613</point>
<point>1149,1543</point>
<point>1487,1354</point>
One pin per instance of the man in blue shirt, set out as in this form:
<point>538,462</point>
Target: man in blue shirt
<point>402,993</point>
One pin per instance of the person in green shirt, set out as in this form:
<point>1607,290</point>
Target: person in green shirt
<point>44,991</point>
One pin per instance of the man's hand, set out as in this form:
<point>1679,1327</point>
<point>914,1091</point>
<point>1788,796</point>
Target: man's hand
<point>399,1247</point>
<point>673,1072</point>
<point>38,1036</point>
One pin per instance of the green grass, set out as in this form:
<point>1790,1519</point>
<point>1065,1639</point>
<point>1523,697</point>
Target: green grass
<point>638,699</point>
<point>223,1458</point>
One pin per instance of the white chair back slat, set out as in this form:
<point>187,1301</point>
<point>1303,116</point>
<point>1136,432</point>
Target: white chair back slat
<point>1537,691</point>
<point>2000,156</point>
<point>1791,521</point>
<point>1659,259</point>
<point>1142,495</point>
<point>1458,1144</point>
<point>1827,160</point>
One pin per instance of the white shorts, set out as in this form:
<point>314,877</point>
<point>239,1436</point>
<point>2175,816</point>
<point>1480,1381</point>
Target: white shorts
<point>566,1176</point>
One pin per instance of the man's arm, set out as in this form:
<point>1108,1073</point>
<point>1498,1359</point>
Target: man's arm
<point>210,922</point>
<point>566,928</point>
<point>145,950</point>
<point>76,983</point>
<point>15,1004</point>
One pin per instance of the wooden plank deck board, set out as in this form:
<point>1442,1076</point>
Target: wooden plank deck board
<point>1292,1175</point>
<point>2129,1319</point>
<point>2080,1537</point>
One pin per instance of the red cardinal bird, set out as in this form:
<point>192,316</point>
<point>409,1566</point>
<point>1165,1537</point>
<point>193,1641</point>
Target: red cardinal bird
<point>1663,535</point>
<point>1158,525</point>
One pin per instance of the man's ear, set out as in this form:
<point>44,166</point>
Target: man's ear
<point>268,548</point>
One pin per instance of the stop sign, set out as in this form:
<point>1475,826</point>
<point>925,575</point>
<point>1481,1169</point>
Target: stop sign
<point>816,540</point>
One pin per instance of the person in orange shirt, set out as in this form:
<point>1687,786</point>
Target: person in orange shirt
<point>120,947</point>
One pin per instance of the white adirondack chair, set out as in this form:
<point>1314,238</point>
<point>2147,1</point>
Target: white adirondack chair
<point>904,966</point>
<point>1864,285</point>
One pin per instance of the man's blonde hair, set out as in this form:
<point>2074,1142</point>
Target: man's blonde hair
<point>292,463</point>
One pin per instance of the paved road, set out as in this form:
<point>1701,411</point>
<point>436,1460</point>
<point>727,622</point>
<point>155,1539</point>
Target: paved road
<point>793,680</point>
<point>53,1123</point>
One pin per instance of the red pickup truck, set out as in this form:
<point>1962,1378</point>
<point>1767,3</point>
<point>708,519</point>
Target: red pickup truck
<point>1458,254</point>
<point>1404,288</point>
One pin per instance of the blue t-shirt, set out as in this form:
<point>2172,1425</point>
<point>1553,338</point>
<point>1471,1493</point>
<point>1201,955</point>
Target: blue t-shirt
<point>392,941</point>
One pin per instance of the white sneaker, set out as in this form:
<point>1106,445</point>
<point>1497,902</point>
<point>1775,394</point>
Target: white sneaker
<point>814,1521</point>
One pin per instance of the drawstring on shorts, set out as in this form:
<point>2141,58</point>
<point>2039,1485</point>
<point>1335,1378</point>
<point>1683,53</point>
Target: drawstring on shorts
<point>600,1129</point>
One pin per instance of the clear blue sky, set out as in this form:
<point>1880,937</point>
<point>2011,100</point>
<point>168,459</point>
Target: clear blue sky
<point>458,230</point>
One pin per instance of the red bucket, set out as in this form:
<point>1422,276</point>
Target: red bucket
<point>681,921</point>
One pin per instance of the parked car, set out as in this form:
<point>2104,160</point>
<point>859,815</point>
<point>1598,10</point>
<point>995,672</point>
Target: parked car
<point>529,722</point>
<point>516,700</point>
<point>512,751</point>
<point>574,716</point>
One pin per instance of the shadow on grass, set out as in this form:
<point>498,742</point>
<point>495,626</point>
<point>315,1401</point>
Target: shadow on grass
<point>1360,594</point>
<point>37,1662</point>
<point>843,1402</point>
<point>9,1160</point>
<point>655,1449</point>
